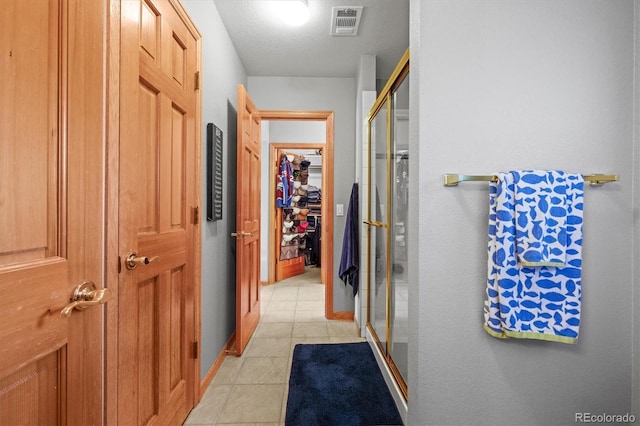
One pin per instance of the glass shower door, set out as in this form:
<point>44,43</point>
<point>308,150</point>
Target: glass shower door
<point>378,221</point>
<point>399,306</point>
<point>388,204</point>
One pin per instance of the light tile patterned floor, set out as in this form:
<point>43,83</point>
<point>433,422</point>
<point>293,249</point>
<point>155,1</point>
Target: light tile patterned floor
<point>252,389</point>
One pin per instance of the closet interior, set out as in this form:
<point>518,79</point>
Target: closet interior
<point>298,211</point>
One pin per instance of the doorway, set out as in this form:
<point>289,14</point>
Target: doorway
<point>326,269</point>
<point>296,214</point>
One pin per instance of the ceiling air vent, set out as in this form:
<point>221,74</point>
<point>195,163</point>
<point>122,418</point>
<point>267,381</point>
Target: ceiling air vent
<point>345,20</point>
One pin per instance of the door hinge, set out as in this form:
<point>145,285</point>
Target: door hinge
<point>195,350</point>
<point>196,215</point>
<point>197,82</point>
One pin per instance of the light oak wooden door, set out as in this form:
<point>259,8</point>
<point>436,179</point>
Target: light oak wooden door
<point>52,111</point>
<point>247,221</point>
<point>284,268</point>
<point>158,208</point>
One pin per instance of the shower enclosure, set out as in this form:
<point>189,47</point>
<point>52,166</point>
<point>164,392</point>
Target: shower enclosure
<point>386,220</point>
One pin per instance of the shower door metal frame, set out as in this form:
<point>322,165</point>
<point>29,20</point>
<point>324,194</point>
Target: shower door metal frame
<point>384,100</point>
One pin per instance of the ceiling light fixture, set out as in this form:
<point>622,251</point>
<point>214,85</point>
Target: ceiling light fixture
<point>294,12</point>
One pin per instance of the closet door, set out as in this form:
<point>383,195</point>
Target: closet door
<point>290,260</point>
<point>52,241</point>
<point>158,152</point>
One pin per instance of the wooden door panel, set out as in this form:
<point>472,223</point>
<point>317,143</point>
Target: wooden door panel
<point>149,106</point>
<point>290,268</point>
<point>160,191</point>
<point>160,321</point>
<point>29,169</point>
<point>52,110</point>
<point>178,60</point>
<point>285,268</point>
<point>176,325</point>
<point>149,29</point>
<point>176,178</point>
<point>147,354</point>
<point>36,385</point>
<point>34,278</point>
<point>248,221</point>
<point>33,324</point>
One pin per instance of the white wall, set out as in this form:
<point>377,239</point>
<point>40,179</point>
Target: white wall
<point>321,94</point>
<point>499,85</point>
<point>222,71</point>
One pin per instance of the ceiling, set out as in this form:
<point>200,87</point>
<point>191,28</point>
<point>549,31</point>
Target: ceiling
<point>269,47</point>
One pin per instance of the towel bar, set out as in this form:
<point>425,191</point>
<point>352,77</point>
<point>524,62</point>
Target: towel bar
<point>375,223</point>
<point>454,179</point>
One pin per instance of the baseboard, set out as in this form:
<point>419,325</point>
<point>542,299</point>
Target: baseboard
<point>357,323</point>
<point>208,378</point>
<point>343,316</point>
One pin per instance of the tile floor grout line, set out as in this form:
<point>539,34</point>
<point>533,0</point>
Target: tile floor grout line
<point>303,295</point>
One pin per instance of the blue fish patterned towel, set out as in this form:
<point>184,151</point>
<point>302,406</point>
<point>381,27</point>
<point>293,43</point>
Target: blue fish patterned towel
<point>540,302</point>
<point>541,214</point>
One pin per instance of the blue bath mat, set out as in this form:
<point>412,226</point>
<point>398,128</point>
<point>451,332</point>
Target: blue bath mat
<point>338,385</point>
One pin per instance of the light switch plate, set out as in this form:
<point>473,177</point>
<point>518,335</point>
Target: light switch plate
<point>339,209</point>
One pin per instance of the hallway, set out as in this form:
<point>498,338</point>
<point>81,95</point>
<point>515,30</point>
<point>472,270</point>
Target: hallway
<point>252,389</point>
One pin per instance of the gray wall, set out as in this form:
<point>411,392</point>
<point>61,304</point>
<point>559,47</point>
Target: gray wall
<point>635,395</point>
<point>222,72</point>
<point>326,94</point>
<point>499,85</point>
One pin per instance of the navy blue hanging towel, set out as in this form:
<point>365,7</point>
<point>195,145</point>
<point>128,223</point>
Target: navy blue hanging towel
<point>350,258</point>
